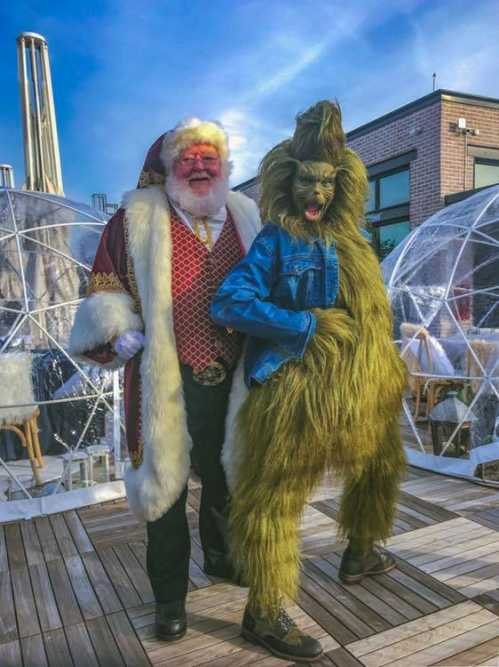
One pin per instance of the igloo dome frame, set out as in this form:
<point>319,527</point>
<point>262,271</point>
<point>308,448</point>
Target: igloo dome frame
<point>62,237</point>
<point>443,282</point>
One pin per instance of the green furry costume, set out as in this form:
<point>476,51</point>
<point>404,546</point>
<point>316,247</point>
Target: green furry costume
<point>337,408</point>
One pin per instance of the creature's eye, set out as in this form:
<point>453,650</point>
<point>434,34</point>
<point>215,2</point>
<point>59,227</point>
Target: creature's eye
<point>328,181</point>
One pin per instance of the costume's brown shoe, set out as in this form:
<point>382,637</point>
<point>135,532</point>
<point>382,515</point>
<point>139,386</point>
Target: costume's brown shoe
<point>356,565</point>
<point>171,621</point>
<point>281,637</point>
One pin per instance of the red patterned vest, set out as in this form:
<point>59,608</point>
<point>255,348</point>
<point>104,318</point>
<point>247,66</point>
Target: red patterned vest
<point>196,275</point>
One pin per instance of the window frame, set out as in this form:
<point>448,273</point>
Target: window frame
<point>491,162</point>
<point>377,178</point>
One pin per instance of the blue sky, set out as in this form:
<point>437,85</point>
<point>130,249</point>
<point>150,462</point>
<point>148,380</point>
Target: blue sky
<point>124,72</point>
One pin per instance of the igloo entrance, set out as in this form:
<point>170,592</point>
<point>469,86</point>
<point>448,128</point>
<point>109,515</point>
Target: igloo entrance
<point>443,282</point>
<point>59,420</point>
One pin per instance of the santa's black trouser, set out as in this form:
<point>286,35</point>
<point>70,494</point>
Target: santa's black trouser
<point>168,547</point>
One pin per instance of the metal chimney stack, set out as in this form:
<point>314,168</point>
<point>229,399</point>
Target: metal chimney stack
<point>41,144</point>
<point>6,176</point>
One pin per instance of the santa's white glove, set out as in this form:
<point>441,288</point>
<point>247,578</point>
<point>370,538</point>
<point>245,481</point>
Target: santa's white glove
<point>128,344</point>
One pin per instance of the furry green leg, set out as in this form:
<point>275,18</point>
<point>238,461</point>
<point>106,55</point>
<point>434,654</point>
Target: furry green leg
<point>283,462</point>
<point>369,500</point>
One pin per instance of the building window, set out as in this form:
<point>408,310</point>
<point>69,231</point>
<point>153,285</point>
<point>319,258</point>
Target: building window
<point>387,190</point>
<point>486,172</point>
<point>385,237</point>
<point>387,209</point>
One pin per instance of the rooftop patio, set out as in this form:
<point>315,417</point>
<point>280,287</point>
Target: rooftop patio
<point>73,589</point>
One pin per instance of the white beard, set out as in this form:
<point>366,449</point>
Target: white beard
<point>198,205</point>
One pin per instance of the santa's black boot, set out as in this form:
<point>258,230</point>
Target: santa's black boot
<point>359,561</point>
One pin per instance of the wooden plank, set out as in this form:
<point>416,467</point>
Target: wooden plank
<point>426,540</point>
<point>382,600</point>
<point>45,602</point>
<point>235,653</point>
<point>8,625</point>
<point>101,583</point>
<point>429,509</point>
<point>140,551</point>
<point>352,612</point>
<point>32,546</point>
<point>489,585</point>
<point>15,547</point>
<point>33,652</point>
<point>338,629</point>
<point>487,571</point>
<point>410,596</point>
<point>447,570</point>
<point>441,559</point>
<point>412,629</point>
<point>89,605</point>
<point>119,578</point>
<point>428,587</point>
<point>27,619</point>
<point>57,649</point>
<point>487,652</point>
<point>64,595</point>
<point>48,542</point>
<point>363,604</point>
<point>80,646</point>
<point>63,536</point>
<point>103,642</point>
<point>340,657</point>
<point>78,532</point>
<point>135,571</point>
<point>10,654</point>
<point>446,641</point>
<point>127,641</point>
<point>436,532</point>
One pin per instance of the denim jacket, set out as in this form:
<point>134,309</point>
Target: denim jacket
<point>269,294</point>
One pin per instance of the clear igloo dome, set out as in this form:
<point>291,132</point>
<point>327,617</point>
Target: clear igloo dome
<point>443,282</point>
<point>59,418</point>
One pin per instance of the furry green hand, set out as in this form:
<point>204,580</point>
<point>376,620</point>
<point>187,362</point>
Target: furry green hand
<point>335,323</point>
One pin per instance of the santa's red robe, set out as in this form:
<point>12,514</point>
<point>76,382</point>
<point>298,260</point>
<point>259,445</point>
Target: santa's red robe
<point>130,288</point>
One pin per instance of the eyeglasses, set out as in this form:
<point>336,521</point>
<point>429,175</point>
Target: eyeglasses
<point>207,160</point>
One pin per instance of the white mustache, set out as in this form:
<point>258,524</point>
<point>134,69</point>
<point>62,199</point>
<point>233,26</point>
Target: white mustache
<point>199,175</point>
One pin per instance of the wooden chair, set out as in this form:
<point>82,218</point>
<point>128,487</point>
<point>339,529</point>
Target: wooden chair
<point>421,368</point>
<point>16,413</point>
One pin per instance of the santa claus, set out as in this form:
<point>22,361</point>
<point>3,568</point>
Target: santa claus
<point>160,260</point>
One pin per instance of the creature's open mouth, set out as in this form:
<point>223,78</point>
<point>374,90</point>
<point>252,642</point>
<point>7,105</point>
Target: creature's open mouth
<point>313,212</point>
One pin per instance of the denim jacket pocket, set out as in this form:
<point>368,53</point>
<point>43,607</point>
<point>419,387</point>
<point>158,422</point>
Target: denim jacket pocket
<point>299,283</point>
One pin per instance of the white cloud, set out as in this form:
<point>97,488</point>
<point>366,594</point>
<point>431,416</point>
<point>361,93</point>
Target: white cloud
<point>152,68</point>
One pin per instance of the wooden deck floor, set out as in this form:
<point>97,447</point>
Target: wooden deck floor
<point>74,591</point>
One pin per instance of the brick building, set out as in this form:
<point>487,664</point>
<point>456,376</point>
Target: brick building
<point>421,154</point>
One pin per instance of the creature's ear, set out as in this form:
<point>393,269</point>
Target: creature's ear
<point>319,135</point>
<point>276,173</point>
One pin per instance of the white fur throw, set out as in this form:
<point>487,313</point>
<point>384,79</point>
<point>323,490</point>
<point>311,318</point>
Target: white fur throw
<point>16,387</point>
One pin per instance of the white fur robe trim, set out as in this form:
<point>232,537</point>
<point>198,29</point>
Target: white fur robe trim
<point>99,318</point>
<point>155,486</point>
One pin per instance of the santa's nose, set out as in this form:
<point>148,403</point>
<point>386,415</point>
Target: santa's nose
<point>198,162</point>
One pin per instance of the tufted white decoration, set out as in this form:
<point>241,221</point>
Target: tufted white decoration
<point>16,387</point>
<point>443,281</point>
